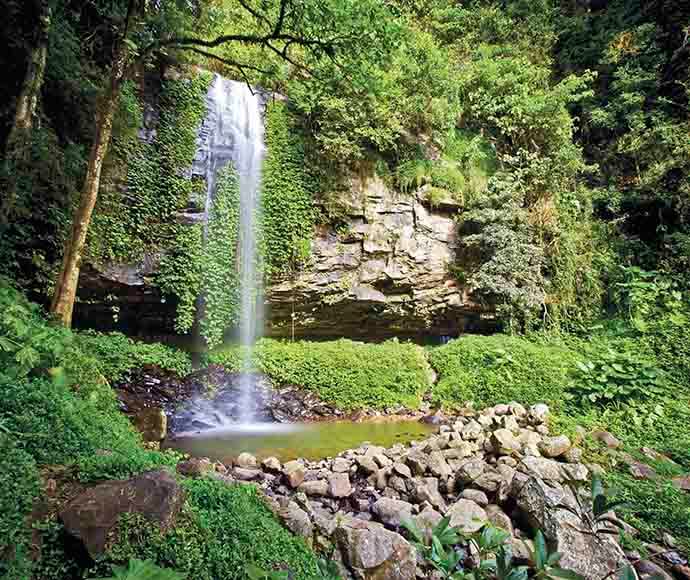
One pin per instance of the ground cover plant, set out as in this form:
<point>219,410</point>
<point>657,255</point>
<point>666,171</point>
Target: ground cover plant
<point>351,375</point>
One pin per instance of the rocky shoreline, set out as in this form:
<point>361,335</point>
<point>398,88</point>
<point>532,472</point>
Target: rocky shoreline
<point>499,467</point>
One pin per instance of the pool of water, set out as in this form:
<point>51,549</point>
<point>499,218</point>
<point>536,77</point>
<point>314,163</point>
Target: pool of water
<point>312,441</point>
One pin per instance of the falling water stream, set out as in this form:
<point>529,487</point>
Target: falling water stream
<point>233,132</point>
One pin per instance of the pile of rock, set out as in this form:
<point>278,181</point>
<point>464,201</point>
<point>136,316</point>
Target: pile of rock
<point>499,466</point>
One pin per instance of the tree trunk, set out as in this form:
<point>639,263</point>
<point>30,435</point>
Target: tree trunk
<point>68,279</point>
<point>19,139</point>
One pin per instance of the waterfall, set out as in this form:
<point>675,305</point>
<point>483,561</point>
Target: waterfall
<point>233,131</point>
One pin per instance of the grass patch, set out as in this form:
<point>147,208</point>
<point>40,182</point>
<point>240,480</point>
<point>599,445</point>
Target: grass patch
<point>498,369</point>
<point>351,375</point>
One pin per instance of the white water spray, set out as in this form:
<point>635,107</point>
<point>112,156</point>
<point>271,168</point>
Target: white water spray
<point>235,132</point>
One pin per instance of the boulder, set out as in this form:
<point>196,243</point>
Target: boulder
<point>427,520</point>
<point>93,515</point>
<point>246,461</point>
<point>555,511</point>
<point>554,446</point>
<point>606,438</point>
<point>418,461</point>
<point>294,473</point>
<point>339,485</point>
<point>244,474</point>
<point>272,464</point>
<point>505,442</point>
<point>316,488</point>
<point>392,511</point>
<point>426,490</point>
<point>438,465</point>
<point>682,482</point>
<point>543,468</point>
<point>296,520</point>
<point>152,423</point>
<point>341,465</point>
<point>467,516</point>
<point>373,553</point>
<point>478,497</point>
<point>471,470</point>
<point>402,470</point>
<point>538,413</point>
<point>498,518</point>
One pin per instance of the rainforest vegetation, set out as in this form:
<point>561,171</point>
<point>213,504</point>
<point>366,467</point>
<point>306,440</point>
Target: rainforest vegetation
<point>559,128</point>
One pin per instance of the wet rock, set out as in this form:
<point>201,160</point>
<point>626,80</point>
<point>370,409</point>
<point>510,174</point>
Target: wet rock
<point>554,446</point>
<point>246,461</point>
<point>195,467</point>
<point>339,485</point>
<point>92,516</point>
<point>152,423</point>
<point>467,516</point>
<point>392,512</point>
<point>374,553</point>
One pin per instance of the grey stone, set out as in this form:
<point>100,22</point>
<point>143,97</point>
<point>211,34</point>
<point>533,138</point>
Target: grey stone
<point>339,485</point>
<point>467,516</point>
<point>341,465</point>
<point>555,511</point>
<point>606,438</point>
<point>471,470</point>
<point>498,518</point>
<point>367,465</point>
<point>374,553</point>
<point>391,511</point>
<point>554,446</point>
<point>314,488</point>
<point>475,495</point>
<point>272,464</point>
<point>546,469</point>
<point>427,520</point>
<point>402,470</point>
<point>538,413</point>
<point>438,466</point>
<point>246,460</point>
<point>294,473</point>
<point>648,570</point>
<point>505,442</point>
<point>246,474</point>
<point>426,490</point>
<point>296,520</point>
<point>418,461</point>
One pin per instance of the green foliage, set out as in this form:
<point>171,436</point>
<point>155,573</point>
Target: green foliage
<point>222,528</point>
<point>616,377</point>
<point>145,183</point>
<point>497,369</point>
<point>220,287</point>
<point>19,487</point>
<point>445,549</point>
<point>143,570</point>
<point>55,400</point>
<point>287,213</point>
<point>115,354</point>
<point>350,375</point>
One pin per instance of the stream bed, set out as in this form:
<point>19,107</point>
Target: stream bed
<point>312,441</point>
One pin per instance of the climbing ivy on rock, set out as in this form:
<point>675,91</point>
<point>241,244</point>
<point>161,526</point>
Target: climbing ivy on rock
<point>288,215</point>
<point>219,270</point>
<point>147,182</point>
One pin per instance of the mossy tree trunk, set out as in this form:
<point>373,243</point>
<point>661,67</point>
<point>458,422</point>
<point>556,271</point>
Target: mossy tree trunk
<point>19,139</point>
<point>66,288</point>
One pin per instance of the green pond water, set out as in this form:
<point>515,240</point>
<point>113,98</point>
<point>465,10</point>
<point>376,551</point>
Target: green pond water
<point>312,441</point>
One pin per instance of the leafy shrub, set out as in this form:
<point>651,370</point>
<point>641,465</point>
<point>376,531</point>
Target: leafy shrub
<point>143,570</point>
<point>615,376</point>
<point>115,354</point>
<point>348,374</point>
<point>19,486</point>
<point>221,528</point>
<point>499,368</point>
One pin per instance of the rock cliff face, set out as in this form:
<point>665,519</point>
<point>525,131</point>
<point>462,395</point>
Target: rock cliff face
<point>387,274</point>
